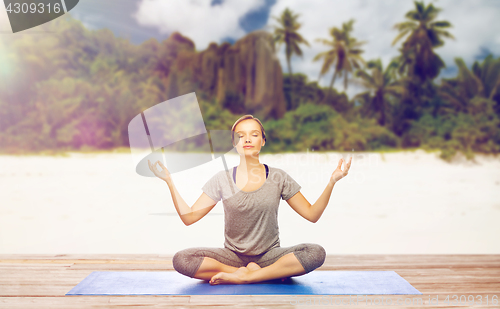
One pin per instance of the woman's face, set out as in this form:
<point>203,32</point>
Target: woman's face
<point>248,133</point>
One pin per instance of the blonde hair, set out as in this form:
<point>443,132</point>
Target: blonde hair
<point>245,118</point>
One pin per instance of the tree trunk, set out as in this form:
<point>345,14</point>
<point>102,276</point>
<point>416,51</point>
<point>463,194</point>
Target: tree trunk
<point>380,105</point>
<point>292,105</point>
<point>331,84</point>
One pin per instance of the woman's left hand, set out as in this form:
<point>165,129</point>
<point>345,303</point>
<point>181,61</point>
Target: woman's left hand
<point>338,173</point>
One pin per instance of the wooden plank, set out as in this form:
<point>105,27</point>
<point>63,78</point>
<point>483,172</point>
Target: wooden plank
<point>345,259</point>
<point>150,300</point>
<point>53,302</point>
<point>83,261</point>
<point>49,277</point>
<point>223,299</point>
<point>402,266</point>
<point>274,301</point>
<point>37,265</point>
<point>35,290</point>
<point>124,267</point>
<point>358,301</point>
<point>60,273</point>
<point>80,256</point>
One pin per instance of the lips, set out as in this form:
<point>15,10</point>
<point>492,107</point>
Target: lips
<point>247,146</point>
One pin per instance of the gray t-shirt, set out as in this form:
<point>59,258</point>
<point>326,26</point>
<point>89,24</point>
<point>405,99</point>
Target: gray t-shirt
<point>251,218</point>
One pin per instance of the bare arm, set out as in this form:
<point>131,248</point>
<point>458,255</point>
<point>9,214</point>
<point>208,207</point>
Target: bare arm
<point>313,212</point>
<point>188,215</point>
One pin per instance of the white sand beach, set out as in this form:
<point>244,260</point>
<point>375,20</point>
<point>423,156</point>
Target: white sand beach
<point>407,202</point>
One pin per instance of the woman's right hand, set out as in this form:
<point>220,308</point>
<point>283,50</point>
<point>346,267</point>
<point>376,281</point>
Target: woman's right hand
<point>163,175</point>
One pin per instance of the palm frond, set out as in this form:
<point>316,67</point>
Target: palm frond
<point>445,34</point>
<point>407,25</point>
<point>441,24</point>
<point>399,36</point>
<point>325,42</point>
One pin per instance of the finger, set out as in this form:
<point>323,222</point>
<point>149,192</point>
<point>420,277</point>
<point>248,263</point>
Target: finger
<point>162,166</point>
<point>155,169</point>
<point>340,164</point>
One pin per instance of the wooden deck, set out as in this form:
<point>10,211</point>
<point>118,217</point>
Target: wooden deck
<point>41,281</point>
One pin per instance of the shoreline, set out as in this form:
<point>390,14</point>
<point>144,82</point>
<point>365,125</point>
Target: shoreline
<point>459,156</point>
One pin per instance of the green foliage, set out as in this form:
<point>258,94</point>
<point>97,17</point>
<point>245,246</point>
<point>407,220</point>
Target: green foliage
<point>381,86</point>
<point>321,128</point>
<point>287,33</point>
<point>79,89</point>
<point>462,132</point>
<point>304,91</point>
<point>482,82</point>
<point>417,57</point>
<point>233,102</point>
<point>216,117</point>
<point>344,53</point>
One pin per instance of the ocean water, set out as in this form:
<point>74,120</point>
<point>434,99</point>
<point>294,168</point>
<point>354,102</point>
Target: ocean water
<point>392,203</point>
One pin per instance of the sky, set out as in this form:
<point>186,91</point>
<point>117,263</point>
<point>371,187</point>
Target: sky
<point>475,25</point>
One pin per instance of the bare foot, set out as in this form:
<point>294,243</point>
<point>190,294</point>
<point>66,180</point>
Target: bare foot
<point>238,277</point>
<point>254,266</point>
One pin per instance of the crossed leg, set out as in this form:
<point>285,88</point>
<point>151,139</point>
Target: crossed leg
<point>286,266</point>
<point>205,263</point>
<point>210,267</point>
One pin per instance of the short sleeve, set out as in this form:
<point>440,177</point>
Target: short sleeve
<point>290,187</point>
<point>212,188</point>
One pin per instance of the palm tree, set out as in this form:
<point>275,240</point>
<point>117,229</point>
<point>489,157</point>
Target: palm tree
<point>483,82</point>
<point>380,84</point>
<point>286,33</point>
<point>344,53</point>
<point>417,55</point>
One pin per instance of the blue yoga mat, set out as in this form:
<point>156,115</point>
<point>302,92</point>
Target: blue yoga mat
<point>313,283</point>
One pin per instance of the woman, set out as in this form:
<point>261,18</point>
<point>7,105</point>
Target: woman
<point>250,193</point>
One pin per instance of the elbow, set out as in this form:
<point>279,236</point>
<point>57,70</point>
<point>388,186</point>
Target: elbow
<point>186,219</point>
<point>313,217</point>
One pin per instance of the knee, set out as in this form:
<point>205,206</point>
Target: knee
<point>186,262</point>
<point>179,260</point>
<point>312,256</point>
<point>318,253</point>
